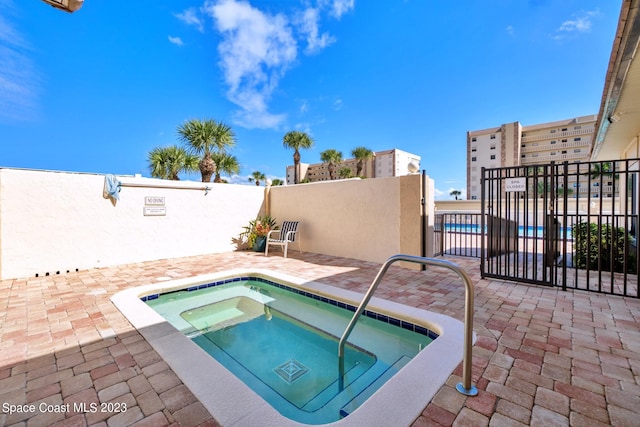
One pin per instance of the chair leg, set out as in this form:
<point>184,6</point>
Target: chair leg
<point>266,249</point>
<point>286,246</point>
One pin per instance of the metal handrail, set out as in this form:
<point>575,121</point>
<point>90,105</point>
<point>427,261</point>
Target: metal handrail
<point>465,387</point>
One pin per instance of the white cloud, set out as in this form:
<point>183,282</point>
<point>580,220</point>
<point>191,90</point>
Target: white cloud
<point>176,40</point>
<point>190,17</point>
<point>19,80</point>
<point>257,49</point>
<point>580,23</point>
<point>255,52</point>
<point>337,104</point>
<point>510,30</point>
<point>340,7</point>
<point>308,24</point>
<point>304,106</point>
<point>304,127</point>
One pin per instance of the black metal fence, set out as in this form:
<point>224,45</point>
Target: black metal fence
<point>458,234</point>
<point>572,225</point>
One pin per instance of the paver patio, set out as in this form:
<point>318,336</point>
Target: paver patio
<point>543,357</point>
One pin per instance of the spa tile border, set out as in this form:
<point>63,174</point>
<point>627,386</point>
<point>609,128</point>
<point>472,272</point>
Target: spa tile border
<point>368,313</point>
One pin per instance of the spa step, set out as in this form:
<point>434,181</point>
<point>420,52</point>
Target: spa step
<point>368,392</point>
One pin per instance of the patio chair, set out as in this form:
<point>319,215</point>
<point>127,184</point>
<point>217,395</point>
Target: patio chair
<point>287,234</point>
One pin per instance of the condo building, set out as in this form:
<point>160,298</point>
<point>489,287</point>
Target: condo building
<point>386,163</point>
<point>512,144</point>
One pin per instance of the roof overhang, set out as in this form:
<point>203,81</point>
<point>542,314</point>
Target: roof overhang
<point>619,116</point>
<point>66,5</point>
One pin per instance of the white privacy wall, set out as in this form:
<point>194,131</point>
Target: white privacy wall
<point>52,222</point>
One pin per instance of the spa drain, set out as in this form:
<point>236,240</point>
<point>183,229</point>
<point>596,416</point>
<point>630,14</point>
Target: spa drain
<point>291,370</point>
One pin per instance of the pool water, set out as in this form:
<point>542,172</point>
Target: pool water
<point>528,231</point>
<point>284,344</point>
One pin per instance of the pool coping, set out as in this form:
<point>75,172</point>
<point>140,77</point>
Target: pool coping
<point>399,402</point>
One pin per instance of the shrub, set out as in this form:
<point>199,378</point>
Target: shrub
<point>612,241</point>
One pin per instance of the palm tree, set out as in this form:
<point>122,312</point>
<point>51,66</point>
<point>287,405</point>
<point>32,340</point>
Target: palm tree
<point>276,182</point>
<point>362,154</point>
<point>225,163</point>
<point>204,137</point>
<point>297,140</point>
<point>168,162</point>
<point>257,176</point>
<point>605,169</point>
<point>332,158</point>
<point>455,193</point>
<point>345,172</point>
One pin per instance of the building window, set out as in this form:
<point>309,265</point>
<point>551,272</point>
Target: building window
<point>596,184</point>
<point>493,157</point>
<point>524,145</point>
<point>553,131</point>
<point>474,197</point>
<point>577,139</point>
<point>595,195</point>
<point>564,140</point>
<point>473,159</point>
<point>564,129</point>
<point>577,127</point>
<point>554,141</point>
<point>523,156</point>
<point>473,149</point>
<point>577,150</point>
<point>564,151</point>
<point>493,147</point>
<point>553,153</point>
<point>493,136</point>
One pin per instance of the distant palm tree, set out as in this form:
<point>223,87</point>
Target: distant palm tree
<point>345,172</point>
<point>297,140</point>
<point>332,158</point>
<point>204,137</point>
<point>225,163</point>
<point>257,176</point>
<point>605,169</point>
<point>276,182</point>
<point>455,193</point>
<point>362,154</point>
<point>168,162</point>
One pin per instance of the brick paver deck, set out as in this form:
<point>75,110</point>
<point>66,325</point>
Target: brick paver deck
<point>543,357</point>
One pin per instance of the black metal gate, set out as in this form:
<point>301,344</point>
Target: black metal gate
<point>565,224</point>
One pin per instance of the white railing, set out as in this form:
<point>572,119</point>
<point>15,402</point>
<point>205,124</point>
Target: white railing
<point>465,387</point>
<point>549,135</point>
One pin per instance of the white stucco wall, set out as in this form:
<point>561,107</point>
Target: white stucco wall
<point>59,221</point>
<point>368,219</point>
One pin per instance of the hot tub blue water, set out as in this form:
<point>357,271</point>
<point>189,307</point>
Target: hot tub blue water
<point>283,343</point>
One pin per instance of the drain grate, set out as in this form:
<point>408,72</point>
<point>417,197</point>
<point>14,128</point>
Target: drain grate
<point>291,370</point>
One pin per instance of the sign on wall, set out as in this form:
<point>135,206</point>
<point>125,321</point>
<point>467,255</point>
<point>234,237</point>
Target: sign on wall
<point>154,206</point>
<point>154,200</point>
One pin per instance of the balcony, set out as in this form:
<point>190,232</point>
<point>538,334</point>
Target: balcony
<point>555,135</point>
<point>547,146</point>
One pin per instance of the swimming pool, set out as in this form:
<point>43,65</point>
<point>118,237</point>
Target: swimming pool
<point>528,231</point>
<point>412,377</point>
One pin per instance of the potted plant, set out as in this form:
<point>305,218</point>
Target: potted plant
<point>256,232</point>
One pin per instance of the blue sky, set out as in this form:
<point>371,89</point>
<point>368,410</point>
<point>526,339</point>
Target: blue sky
<point>96,90</point>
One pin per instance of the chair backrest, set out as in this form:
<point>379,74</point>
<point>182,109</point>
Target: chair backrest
<point>288,226</point>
